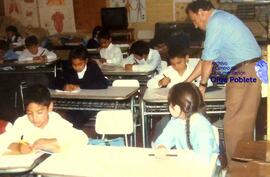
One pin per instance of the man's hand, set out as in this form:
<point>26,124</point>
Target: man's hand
<point>202,90</point>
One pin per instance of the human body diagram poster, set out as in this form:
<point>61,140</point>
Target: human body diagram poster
<point>59,16</point>
<point>136,9</point>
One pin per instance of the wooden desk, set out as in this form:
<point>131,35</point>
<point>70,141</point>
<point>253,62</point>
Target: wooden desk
<point>250,169</point>
<point>252,151</point>
<point>155,102</point>
<point>104,161</point>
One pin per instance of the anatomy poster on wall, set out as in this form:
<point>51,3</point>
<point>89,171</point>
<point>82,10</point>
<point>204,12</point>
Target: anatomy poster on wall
<point>24,11</point>
<point>59,15</point>
<point>136,9</point>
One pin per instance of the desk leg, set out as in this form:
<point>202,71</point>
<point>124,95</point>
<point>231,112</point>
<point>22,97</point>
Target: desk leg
<point>135,122</point>
<point>143,124</point>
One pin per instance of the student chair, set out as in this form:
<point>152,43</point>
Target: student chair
<point>219,171</point>
<point>114,122</point>
<point>126,83</point>
<point>130,83</point>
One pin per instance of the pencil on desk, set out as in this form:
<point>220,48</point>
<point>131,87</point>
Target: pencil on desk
<point>42,53</point>
<point>169,155</point>
<point>22,141</point>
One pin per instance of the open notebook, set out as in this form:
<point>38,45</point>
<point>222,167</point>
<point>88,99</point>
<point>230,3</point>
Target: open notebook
<point>13,161</point>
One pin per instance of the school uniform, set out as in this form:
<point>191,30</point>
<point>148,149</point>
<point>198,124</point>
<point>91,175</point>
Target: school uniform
<point>172,74</point>
<point>16,40</point>
<point>202,137</point>
<point>153,62</point>
<point>10,55</point>
<point>92,44</point>
<point>90,78</point>
<point>57,127</point>
<point>112,54</point>
<point>27,56</point>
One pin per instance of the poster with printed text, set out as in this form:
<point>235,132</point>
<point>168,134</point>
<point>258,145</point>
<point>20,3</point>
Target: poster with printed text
<point>136,9</point>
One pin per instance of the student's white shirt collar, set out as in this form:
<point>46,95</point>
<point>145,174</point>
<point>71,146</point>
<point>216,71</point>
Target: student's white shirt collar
<point>81,74</point>
<point>110,46</point>
<point>143,61</point>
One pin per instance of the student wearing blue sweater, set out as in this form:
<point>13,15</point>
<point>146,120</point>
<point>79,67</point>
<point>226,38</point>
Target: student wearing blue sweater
<point>188,127</point>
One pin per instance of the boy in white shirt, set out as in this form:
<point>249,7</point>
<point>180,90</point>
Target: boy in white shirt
<point>109,52</point>
<point>34,52</point>
<point>178,71</point>
<point>41,128</point>
<point>142,58</point>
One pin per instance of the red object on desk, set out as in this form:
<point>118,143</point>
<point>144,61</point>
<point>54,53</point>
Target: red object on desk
<point>3,125</point>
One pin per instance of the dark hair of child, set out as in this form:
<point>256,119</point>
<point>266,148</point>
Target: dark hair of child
<point>189,98</point>
<point>177,51</point>
<point>3,45</point>
<point>38,94</point>
<point>14,30</point>
<point>199,4</point>
<point>104,34</point>
<point>31,41</point>
<point>78,52</point>
<point>140,48</point>
<point>96,31</point>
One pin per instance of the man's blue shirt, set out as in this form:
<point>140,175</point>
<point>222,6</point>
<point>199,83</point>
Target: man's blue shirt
<point>229,40</point>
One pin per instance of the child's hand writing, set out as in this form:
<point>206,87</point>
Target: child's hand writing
<point>39,58</point>
<point>46,144</point>
<point>25,148</point>
<point>128,67</point>
<point>102,60</point>
<point>71,87</point>
<point>164,82</point>
<point>161,152</point>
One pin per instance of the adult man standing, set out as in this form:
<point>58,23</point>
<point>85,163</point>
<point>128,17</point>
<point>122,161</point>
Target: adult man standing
<point>229,43</point>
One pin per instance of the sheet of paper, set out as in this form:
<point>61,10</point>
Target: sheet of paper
<point>11,161</point>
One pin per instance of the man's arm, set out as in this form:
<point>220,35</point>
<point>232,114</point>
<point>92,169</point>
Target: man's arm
<point>206,69</point>
<point>196,72</point>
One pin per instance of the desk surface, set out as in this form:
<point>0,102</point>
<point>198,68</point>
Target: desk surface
<point>160,95</point>
<point>104,161</point>
<point>109,69</point>
<point>111,93</point>
<point>28,63</point>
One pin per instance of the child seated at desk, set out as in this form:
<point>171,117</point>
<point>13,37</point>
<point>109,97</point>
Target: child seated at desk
<point>93,42</point>
<point>178,71</point>
<point>188,127</point>
<point>14,38</point>
<point>41,128</point>
<point>142,58</point>
<point>6,53</point>
<point>34,52</point>
<point>109,52</point>
<point>85,74</point>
